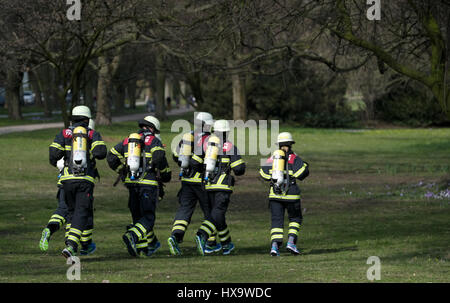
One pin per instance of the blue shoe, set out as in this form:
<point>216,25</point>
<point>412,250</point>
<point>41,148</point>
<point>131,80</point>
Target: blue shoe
<point>274,251</point>
<point>173,246</point>
<point>212,247</point>
<point>227,248</point>
<point>152,249</point>
<point>200,244</point>
<point>130,243</point>
<point>292,248</point>
<point>89,249</point>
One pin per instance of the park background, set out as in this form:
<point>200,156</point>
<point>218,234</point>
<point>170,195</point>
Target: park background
<point>367,101</point>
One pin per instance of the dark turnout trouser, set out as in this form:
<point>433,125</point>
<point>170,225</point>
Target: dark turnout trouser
<point>60,217</point>
<point>79,199</point>
<point>188,196</point>
<point>219,201</point>
<point>142,204</point>
<point>277,210</point>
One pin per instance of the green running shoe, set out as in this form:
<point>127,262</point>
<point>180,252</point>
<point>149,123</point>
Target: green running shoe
<point>130,244</point>
<point>68,252</point>
<point>200,244</point>
<point>43,243</point>
<point>173,246</point>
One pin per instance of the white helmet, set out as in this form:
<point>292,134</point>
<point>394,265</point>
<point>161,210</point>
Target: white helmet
<point>285,138</point>
<point>205,117</point>
<point>82,111</point>
<point>221,126</point>
<point>152,122</point>
<point>91,124</point>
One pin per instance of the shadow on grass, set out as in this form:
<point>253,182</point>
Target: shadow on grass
<point>329,250</point>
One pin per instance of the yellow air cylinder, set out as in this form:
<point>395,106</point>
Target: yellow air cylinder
<point>79,148</point>
<point>278,166</point>
<point>134,154</point>
<point>212,152</point>
<point>186,149</point>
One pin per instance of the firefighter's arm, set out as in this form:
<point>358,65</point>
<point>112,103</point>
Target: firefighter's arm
<point>301,169</point>
<point>237,164</point>
<point>115,157</point>
<point>98,147</point>
<point>264,173</point>
<point>166,173</point>
<point>56,149</point>
<point>176,152</point>
<point>158,152</point>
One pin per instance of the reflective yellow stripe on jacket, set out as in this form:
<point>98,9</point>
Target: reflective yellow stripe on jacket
<point>272,195</point>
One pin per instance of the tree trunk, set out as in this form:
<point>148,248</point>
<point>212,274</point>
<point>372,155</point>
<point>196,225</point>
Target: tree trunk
<point>44,73</point>
<point>37,87</point>
<point>239,98</point>
<point>195,84</point>
<point>160,89</point>
<point>119,98</point>
<point>103,107</point>
<point>13,83</point>
<point>132,93</point>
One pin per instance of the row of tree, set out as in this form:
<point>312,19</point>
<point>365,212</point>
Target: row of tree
<point>222,44</point>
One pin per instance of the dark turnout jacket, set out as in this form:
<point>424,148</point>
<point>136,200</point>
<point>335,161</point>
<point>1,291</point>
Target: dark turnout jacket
<point>157,168</point>
<point>62,147</point>
<point>298,169</point>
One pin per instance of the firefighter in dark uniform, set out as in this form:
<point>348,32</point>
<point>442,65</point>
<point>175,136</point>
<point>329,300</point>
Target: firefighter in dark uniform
<point>143,182</point>
<point>59,217</point>
<point>284,192</point>
<point>219,183</point>
<point>192,189</point>
<point>80,146</point>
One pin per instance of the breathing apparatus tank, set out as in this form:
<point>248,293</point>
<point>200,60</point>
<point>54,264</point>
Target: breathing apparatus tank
<point>79,150</point>
<point>186,151</point>
<point>212,152</point>
<point>278,165</point>
<point>134,155</point>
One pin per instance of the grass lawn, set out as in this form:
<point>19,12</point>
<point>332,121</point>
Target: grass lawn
<point>365,197</point>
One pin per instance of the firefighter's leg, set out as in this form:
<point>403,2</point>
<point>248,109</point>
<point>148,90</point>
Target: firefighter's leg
<point>276,233</point>
<point>202,196</point>
<point>57,220</point>
<point>187,199</point>
<point>206,230</point>
<point>83,206</point>
<point>148,197</point>
<point>295,220</point>
<point>218,215</point>
<point>87,245</point>
<point>130,238</point>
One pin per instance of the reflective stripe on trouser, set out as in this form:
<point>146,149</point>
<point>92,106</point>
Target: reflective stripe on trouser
<point>74,237</point>
<point>57,220</point>
<point>142,204</point>
<point>207,229</point>
<point>277,210</point>
<point>149,239</point>
<point>86,237</point>
<point>188,195</point>
<point>212,238</point>
<point>276,235</point>
<point>294,229</point>
<point>139,231</point>
<point>224,236</point>
<point>67,231</point>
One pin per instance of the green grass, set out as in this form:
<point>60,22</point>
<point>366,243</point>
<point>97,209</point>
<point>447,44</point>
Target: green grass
<point>363,198</point>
